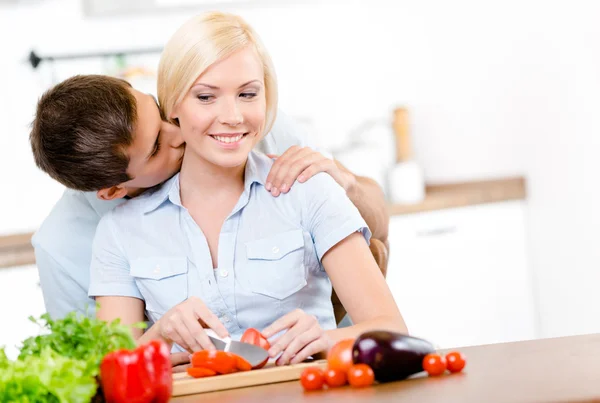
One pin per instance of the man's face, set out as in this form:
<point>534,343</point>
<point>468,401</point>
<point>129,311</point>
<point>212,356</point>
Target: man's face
<point>157,149</point>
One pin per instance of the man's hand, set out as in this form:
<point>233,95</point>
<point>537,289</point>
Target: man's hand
<point>301,164</point>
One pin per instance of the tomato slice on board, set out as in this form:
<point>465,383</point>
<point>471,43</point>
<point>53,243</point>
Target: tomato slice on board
<point>198,372</point>
<point>242,364</point>
<point>219,361</point>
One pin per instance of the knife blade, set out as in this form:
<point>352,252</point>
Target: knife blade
<point>251,353</point>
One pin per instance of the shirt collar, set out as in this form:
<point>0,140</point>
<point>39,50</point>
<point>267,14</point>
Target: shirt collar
<point>257,169</point>
<point>155,197</point>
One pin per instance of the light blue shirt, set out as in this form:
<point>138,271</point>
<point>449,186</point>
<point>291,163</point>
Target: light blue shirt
<point>269,252</point>
<point>63,243</point>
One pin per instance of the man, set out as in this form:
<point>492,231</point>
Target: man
<point>106,142</point>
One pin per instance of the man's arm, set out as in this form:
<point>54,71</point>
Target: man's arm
<point>369,199</point>
<point>302,163</point>
<point>62,294</point>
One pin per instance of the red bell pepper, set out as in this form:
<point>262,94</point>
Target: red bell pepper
<point>143,375</point>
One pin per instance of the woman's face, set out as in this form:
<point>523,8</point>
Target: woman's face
<point>223,115</point>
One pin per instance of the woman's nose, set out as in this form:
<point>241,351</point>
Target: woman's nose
<point>230,114</point>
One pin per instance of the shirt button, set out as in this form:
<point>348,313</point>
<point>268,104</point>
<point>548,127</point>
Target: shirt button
<point>226,319</point>
<point>224,273</point>
<point>275,249</point>
<point>157,270</point>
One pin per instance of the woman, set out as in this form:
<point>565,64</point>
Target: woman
<point>211,248</point>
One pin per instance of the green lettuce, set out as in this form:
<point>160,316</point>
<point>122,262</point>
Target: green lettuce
<point>47,377</point>
<point>62,364</point>
<point>79,337</point>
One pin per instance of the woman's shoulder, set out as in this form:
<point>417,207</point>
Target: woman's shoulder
<point>321,185</point>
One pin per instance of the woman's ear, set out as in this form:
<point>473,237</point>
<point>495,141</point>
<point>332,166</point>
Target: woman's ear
<point>111,193</point>
<point>174,113</point>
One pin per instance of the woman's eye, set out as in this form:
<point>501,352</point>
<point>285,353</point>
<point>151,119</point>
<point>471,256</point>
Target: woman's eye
<point>248,95</point>
<point>205,98</point>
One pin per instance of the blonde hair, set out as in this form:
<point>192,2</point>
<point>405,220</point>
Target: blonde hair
<point>199,43</point>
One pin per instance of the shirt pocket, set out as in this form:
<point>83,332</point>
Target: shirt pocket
<point>162,281</point>
<point>276,265</point>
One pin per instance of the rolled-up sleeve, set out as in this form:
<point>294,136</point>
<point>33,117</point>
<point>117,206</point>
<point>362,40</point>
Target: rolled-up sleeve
<point>329,215</point>
<point>109,270</point>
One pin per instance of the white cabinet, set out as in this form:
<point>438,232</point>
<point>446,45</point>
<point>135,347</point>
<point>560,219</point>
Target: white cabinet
<point>461,277</point>
<point>20,297</point>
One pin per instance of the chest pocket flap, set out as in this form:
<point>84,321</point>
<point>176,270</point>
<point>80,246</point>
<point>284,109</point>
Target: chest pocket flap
<point>276,265</point>
<point>275,248</point>
<point>162,281</point>
<point>157,268</point>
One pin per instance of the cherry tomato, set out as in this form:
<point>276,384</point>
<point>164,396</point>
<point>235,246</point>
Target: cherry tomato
<point>456,361</point>
<point>434,364</point>
<point>360,375</point>
<point>253,336</point>
<point>198,372</point>
<point>312,378</point>
<point>335,378</point>
<point>340,355</point>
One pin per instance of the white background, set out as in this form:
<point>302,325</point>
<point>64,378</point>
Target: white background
<point>495,88</point>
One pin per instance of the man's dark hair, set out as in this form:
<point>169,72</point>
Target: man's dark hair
<point>82,129</point>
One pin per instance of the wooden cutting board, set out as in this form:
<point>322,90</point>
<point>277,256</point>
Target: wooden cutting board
<point>183,384</point>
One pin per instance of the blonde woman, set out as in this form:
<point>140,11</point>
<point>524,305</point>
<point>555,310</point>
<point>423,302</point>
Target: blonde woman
<point>211,248</point>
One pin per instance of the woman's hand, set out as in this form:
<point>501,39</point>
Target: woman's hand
<point>303,337</point>
<point>302,163</point>
<point>184,324</point>
<point>180,361</point>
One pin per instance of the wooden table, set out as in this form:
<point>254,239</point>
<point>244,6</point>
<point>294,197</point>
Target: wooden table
<point>550,370</point>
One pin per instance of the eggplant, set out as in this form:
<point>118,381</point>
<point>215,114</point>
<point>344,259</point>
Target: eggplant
<point>392,356</point>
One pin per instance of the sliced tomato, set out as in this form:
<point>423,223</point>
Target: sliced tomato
<point>219,361</point>
<point>197,372</point>
<point>253,336</point>
<point>242,364</point>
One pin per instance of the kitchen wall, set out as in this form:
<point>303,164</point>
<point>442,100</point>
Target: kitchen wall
<point>494,89</point>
